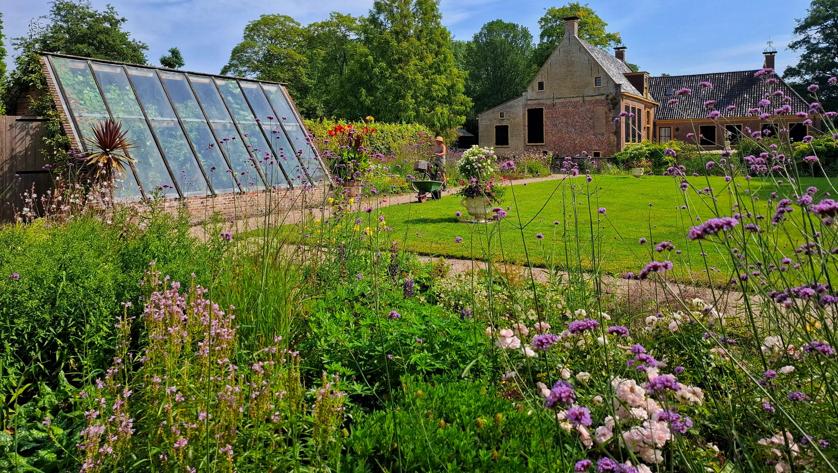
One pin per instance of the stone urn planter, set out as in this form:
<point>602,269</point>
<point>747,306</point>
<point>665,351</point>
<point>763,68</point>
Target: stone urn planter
<point>480,208</point>
<point>636,172</point>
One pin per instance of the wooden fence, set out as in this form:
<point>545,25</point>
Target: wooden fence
<point>22,162</point>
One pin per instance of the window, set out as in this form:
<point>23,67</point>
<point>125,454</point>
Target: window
<point>733,133</point>
<point>597,154</point>
<point>501,135</point>
<point>502,115</point>
<point>541,85</point>
<point>664,134</point>
<point>797,131</point>
<point>597,81</point>
<point>707,133</point>
<point>535,126</point>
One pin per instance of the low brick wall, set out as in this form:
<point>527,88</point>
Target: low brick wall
<point>242,206</point>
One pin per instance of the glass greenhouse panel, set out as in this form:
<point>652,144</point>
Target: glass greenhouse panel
<point>252,132</point>
<point>295,131</point>
<point>164,124</point>
<point>274,132</point>
<point>222,124</point>
<point>198,131</point>
<point>87,108</point>
<point>119,96</point>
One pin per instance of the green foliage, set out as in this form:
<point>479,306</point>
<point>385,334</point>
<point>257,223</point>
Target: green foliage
<point>498,63</point>
<point>410,74</point>
<point>825,148</point>
<point>647,155</point>
<point>71,27</point>
<point>173,59</point>
<point>355,336</point>
<point>817,43</point>
<point>457,426</point>
<point>272,49</point>
<point>592,29</point>
<point>57,313</point>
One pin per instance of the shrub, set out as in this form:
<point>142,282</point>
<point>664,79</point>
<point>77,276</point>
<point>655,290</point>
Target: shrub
<point>648,154</point>
<point>456,426</point>
<point>375,344</point>
<point>825,147</point>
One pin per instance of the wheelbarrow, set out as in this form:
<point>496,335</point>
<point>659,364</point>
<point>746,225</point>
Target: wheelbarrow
<point>427,188</point>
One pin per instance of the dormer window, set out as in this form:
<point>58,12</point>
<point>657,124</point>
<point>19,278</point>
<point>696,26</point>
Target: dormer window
<point>598,81</point>
<point>541,85</point>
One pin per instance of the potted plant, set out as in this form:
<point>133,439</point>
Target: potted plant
<point>479,192</point>
<point>639,167</point>
<point>350,159</point>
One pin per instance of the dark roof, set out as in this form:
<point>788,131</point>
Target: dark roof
<point>615,68</point>
<point>741,89</point>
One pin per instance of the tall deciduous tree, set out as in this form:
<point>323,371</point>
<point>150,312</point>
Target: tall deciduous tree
<point>71,27</point>
<point>331,48</point>
<point>498,63</point>
<point>817,41</point>
<point>272,49</point>
<point>173,59</point>
<point>592,29</point>
<point>410,74</point>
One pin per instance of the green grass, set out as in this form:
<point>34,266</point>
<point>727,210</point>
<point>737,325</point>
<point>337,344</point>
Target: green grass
<point>648,207</point>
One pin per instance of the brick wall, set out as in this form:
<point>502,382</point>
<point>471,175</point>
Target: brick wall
<point>572,126</point>
<point>231,207</point>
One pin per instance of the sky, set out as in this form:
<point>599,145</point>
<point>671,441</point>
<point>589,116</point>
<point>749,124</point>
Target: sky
<point>663,36</point>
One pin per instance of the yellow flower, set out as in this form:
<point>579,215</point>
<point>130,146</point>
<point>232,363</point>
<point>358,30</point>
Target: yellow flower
<point>356,228</point>
<point>370,118</point>
<point>368,231</point>
<point>330,200</point>
<point>352,201</point>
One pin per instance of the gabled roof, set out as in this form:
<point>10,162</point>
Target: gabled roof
<point>740,90</point>
<point>615,68</point>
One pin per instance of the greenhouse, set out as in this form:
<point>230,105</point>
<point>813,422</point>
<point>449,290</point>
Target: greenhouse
<point>191,134</point>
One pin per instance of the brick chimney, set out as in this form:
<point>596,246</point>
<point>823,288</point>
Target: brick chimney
<point>620,53</point>
<point>571,25</point>
<point>769,54</point>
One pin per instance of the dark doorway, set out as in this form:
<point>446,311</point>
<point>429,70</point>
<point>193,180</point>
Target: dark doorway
<point>797,131</point>
<point>535,126</point>
<point>708,135</point>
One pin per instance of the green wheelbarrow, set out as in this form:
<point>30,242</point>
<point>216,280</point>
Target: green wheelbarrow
<point>427,188</point>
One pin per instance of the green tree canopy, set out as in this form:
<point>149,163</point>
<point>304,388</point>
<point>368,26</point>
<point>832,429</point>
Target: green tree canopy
<point>71,27</point>
<point>272,49</point>
<point>410,74</point>
<point>817,41</point>
<point>592,29</point>
<point>331,48</point>
<point>498,63</point>
<point>173,59</point>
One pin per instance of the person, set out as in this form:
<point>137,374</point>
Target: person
<point>440,152</point>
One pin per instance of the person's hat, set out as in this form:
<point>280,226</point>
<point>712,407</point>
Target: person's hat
<point>439,138</point>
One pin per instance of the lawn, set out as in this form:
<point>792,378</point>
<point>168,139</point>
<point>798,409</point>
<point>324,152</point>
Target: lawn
<point>650,207</point>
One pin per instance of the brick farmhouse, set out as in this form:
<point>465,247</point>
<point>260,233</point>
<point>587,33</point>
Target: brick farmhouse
<point>585,100</point>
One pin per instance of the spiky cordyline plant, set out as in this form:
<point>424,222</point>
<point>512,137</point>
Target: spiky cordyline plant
<point>109,150</point>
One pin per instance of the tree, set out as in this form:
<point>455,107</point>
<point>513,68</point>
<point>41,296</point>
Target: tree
<point>272,49</point>
<point>71,27</point>
<point>498,63</point>
<point>172,60</point>
<point>410,74</point>
<point>331,46</point>
<point>817,41</point>
<point>592,29</point>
